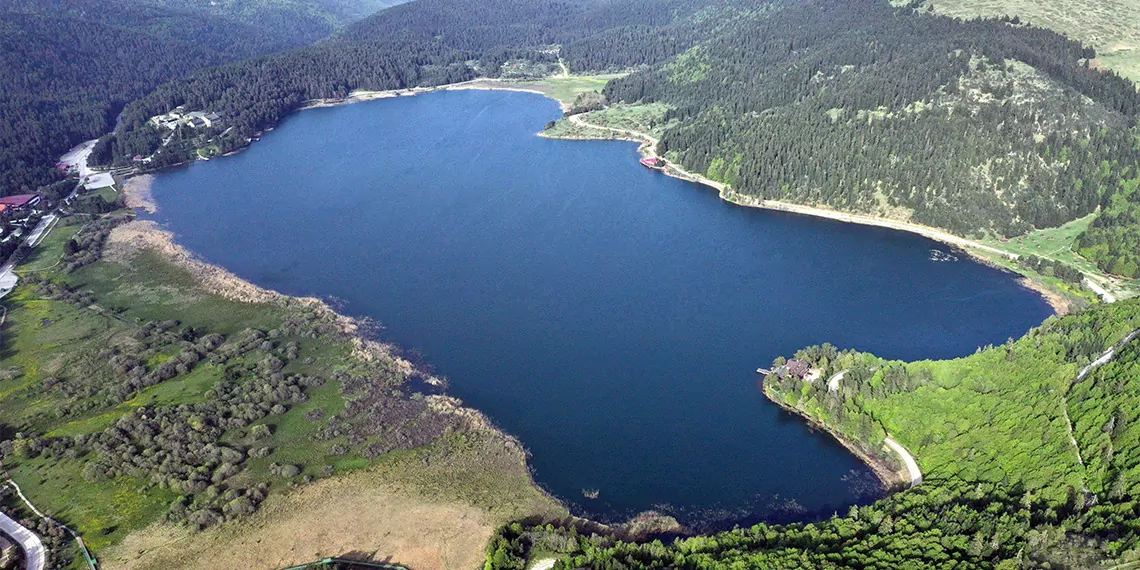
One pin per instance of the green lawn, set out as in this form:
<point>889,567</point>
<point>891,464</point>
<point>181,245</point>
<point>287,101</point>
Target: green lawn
<point>1057,244</point>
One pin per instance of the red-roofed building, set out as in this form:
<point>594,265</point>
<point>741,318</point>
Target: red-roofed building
<point>19,201</point>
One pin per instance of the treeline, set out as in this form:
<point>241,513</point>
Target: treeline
<point>70,66</point>
<point>1112,241</point>
<point>979,126</point>
<point>1003,484</point>
<point>422,43</point>
<point>65,80</point>
<point>941,524</point>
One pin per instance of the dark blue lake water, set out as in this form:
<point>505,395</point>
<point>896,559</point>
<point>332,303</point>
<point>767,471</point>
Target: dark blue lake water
<point>609,316</point>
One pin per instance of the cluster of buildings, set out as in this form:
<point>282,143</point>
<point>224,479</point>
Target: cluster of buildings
<point>179,117</point>
<point>14,213</point>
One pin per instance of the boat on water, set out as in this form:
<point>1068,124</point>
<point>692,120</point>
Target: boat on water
<point>653,162</point>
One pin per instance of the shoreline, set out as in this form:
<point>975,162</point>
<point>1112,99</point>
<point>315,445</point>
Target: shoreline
<point>136,192</point>
<point>1060,304</point>
<point>893,480</point>
<point>481,84</point>
<point>1057,301</point>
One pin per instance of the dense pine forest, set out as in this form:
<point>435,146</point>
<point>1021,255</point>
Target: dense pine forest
<point>987,128</point>
<point>1028,462</point>
<point>978,127</point>
<point>71,65</point>
<point>423,43</point>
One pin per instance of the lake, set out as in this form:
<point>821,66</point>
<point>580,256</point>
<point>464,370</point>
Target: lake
<point>609,316</point>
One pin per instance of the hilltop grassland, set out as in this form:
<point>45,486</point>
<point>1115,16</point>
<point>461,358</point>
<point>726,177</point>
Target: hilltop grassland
<point>146,395</point>
<point>1112,27</point>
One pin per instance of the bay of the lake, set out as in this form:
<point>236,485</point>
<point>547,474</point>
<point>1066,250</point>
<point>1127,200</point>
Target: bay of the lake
<point>609,316</point>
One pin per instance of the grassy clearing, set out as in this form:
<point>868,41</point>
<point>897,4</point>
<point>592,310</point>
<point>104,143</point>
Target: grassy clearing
<point>1110,26</point>
<point>1056,244</point>
<point>104,514</point>
<point>430,509</point>
<point>562,89</point>
<point>649,119</point>
<point>57,381</point>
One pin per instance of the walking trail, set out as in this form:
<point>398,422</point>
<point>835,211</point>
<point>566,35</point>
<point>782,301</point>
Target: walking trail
<point>1101,361</point>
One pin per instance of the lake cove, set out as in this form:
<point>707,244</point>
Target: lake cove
<point>609,316</point>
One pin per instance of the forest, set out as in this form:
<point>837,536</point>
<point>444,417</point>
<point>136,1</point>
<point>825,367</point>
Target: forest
<point>1112,241</point>
<point>1004,487</point>
<point>980,127</point>
<point>423,43</point>
<point>70,66</point>
<point>987,128</point>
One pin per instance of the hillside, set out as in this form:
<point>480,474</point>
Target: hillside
<point>1027,463</point>
<point>169,412</point>
<point>980,128</point>
<point>987,128</point>
<point>422,43</point>
<point>71,65</point>
<point>1112,27</point>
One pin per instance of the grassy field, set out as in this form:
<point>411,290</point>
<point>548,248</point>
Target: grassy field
<point>1056,244</point>
<point>57,384</point>
<point>649,119</point>
<point>1110,26</point>
<point>562,89</point>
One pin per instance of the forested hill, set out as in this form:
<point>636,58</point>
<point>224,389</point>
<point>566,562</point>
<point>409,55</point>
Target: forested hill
<point>64,81</point>
<point>977,127</point>
<point>69,66</point>
<point>1029,462</point>
<point>422,43</point>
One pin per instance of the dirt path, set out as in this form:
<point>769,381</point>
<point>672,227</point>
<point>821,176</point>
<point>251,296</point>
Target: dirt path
<point>543,564</point>
<point>1101,291</point>
<point>1104,358</point>
<point>833,382</point>
<point>908,460</point>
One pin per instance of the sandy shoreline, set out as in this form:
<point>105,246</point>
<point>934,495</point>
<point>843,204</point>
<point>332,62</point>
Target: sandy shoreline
<point>483,84</point>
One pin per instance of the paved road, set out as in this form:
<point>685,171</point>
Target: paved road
<point>41,230</point>
<point>543,564</point>
<point>8,279</point>
<point>1107,356</point>
<point>908,460</point>
<point>833,383</point>
<point>34,550</point>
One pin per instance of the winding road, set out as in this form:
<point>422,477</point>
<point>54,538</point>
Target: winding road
<point>912,469</point>
<point>34,553</point>
<point>833,382</point>
<point>908,460</point>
